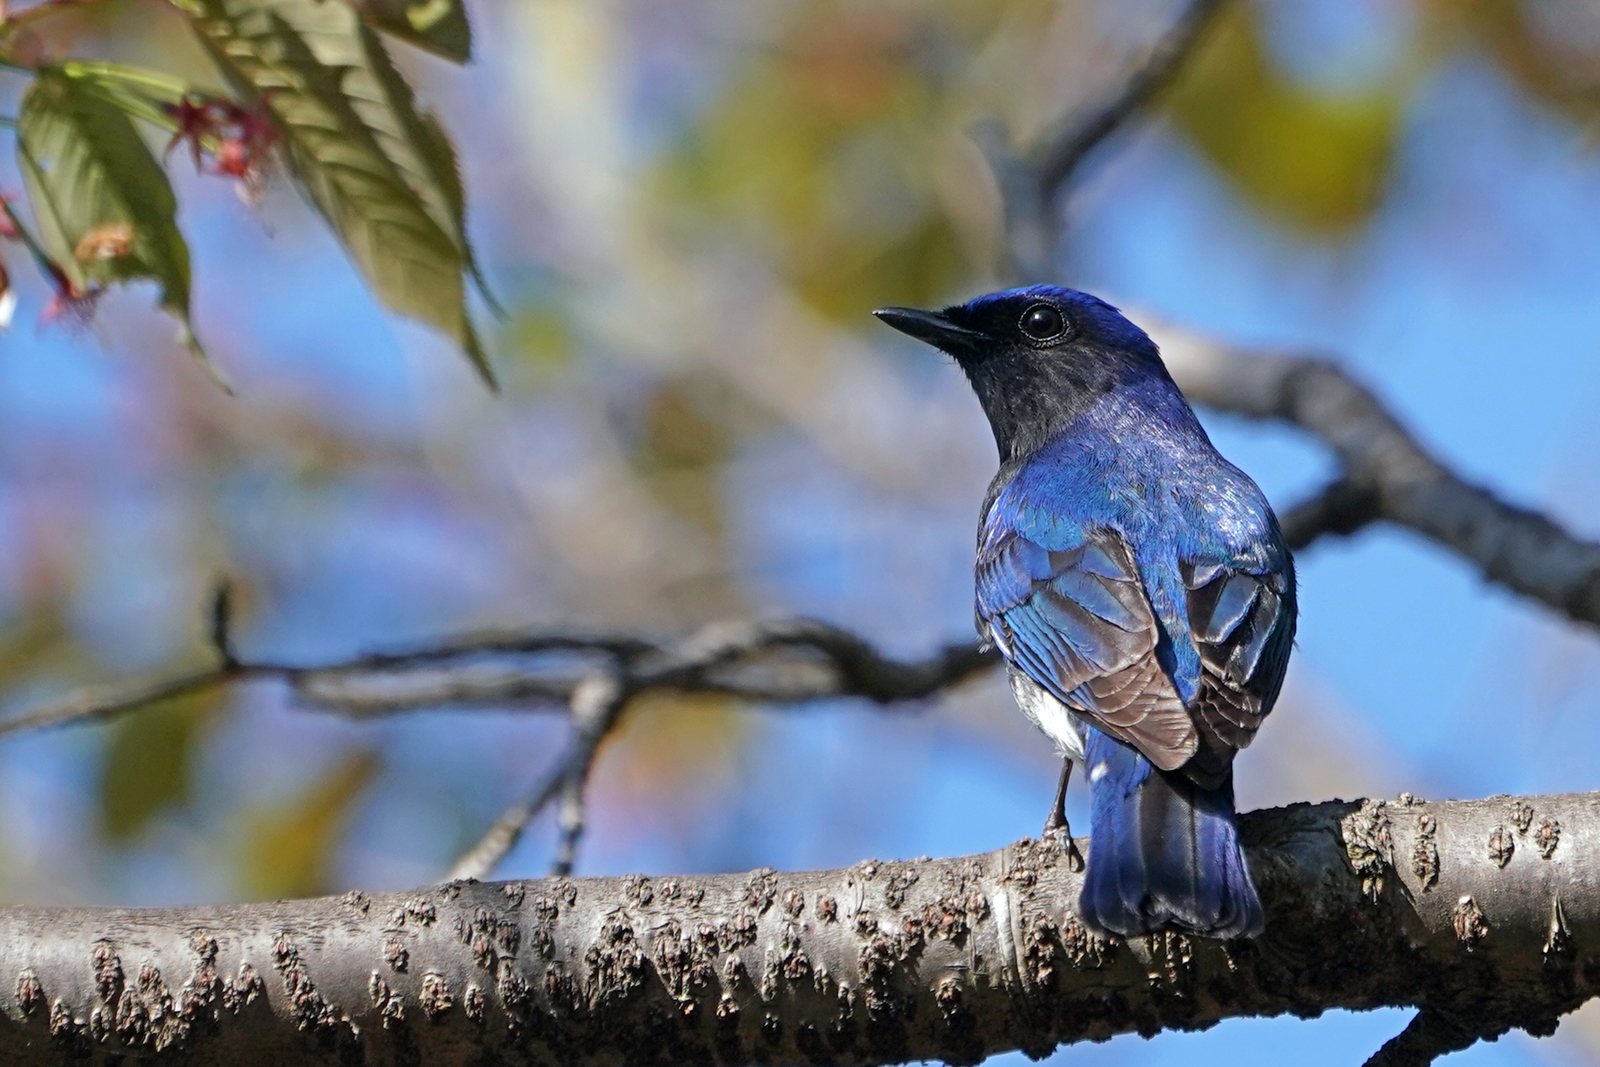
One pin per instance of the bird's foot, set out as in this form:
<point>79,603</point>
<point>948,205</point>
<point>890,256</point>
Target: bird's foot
<point>1061,834</point>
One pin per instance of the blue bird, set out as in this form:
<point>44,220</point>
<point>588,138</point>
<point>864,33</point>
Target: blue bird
<point>1140,590</point>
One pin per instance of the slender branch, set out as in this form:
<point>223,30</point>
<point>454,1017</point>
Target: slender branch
<point>507,830</point>
<point>595,704</point>
<point>782,662</point>
<point>726,658</point>
<point>570,818</point>
<point>103,703</point>
<point>1032,187</point>
<point>1057,160</point>
<point>1488,910</point>
<point>775,662</point>
<point>222,625</point>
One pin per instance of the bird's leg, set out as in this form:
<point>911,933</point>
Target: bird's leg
<point>1056,824</point>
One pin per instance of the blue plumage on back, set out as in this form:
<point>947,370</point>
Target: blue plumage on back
<point>1139,587</point>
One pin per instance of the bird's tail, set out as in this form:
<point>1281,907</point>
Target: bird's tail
<point>1162,851</point>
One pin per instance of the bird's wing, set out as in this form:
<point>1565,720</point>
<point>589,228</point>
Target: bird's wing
<point>1074,616</point>
<point>1242,624</point>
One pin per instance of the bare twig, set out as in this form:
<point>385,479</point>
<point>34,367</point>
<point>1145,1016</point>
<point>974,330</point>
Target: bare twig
<point>1056,161</point>
<point>222,625</point>
<point>1032,188</point>
<point>569,823</point>
<point>774,662</point>
<point>733,657</point>
<point>102,703</point>
<point>507,830</point>
<point>597,700</point>
<point>781,662</point>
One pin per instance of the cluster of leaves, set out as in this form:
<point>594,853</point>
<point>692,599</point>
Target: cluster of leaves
<point>311,84</point>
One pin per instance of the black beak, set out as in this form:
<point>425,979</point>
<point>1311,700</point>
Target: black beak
<point>932,327</point>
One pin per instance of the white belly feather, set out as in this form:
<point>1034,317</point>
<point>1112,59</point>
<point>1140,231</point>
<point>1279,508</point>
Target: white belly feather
<point>1058,721</point>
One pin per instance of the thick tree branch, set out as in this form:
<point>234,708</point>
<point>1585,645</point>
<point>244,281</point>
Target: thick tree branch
<point>1483,914</point>
<point>1388,475</point>
<point>1342,507</point>
<point>1429,1035</point>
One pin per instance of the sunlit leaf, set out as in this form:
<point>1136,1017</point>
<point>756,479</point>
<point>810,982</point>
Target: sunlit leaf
<point>90,175</point>
<point>440,26</point>
<point>290,853</point>
<point>1317,162</point>
<point>149,762</point>
<point>379,170</point>
<point>142,93</point>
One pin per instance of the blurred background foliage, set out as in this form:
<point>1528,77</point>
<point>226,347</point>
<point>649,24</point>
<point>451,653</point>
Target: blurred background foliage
<point>687,208</point>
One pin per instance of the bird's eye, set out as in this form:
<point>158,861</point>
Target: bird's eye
<point>1043,322</point>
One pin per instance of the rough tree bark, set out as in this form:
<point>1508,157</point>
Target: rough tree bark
<point>1483,914</point>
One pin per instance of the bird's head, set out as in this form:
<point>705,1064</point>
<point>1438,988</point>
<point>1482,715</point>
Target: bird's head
<point>1037,357</point>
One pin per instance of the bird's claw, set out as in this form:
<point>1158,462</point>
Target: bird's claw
<point>1061,834</point>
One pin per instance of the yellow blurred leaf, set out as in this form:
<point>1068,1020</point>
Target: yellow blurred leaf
<point>1316,162</point>
<point>542,337</point>
<point>684,440</point>
<point>149,762</point>
<point>820,154</point>
<point>290,853</point>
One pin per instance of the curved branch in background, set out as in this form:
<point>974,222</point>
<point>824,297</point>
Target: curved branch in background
<point>1056,160</point>
<point>1387,475</point>
<point>721,658</point>
<point>1032,188</point>
<point>1340,508</point>
<point>776,662</point>
<point>1483,914</point>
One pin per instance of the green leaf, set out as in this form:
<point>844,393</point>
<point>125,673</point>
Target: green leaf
<point>440,26</point>
<point>380,171</point>
<point>144,94</point>
<point>149,762</point>
<point>290,853</point>
<point>440,154</point>
<point>105,209</point>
